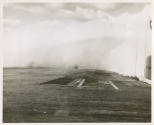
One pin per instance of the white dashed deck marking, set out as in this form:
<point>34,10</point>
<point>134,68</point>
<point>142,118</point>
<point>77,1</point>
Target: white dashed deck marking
<point>81,83</point>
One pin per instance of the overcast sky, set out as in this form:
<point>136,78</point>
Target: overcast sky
<point>48,34</point>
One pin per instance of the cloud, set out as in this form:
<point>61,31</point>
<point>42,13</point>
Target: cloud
<point>67,11</point>
<point>120,8</point>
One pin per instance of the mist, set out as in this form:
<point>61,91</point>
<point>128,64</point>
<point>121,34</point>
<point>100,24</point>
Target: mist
<point>101,36</point>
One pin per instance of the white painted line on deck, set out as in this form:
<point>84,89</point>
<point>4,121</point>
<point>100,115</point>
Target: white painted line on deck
<point>113,85</point>
<point>81,83</point>
<point>74,82</point>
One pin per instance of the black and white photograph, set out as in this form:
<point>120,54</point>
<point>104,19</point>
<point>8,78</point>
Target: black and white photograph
<point>77,62</point>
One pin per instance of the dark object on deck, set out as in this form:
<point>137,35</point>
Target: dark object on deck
<point>76,67</point>
<point>135,78</point>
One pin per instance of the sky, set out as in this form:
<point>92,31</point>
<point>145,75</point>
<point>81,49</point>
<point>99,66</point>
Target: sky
<point>68,34</point>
